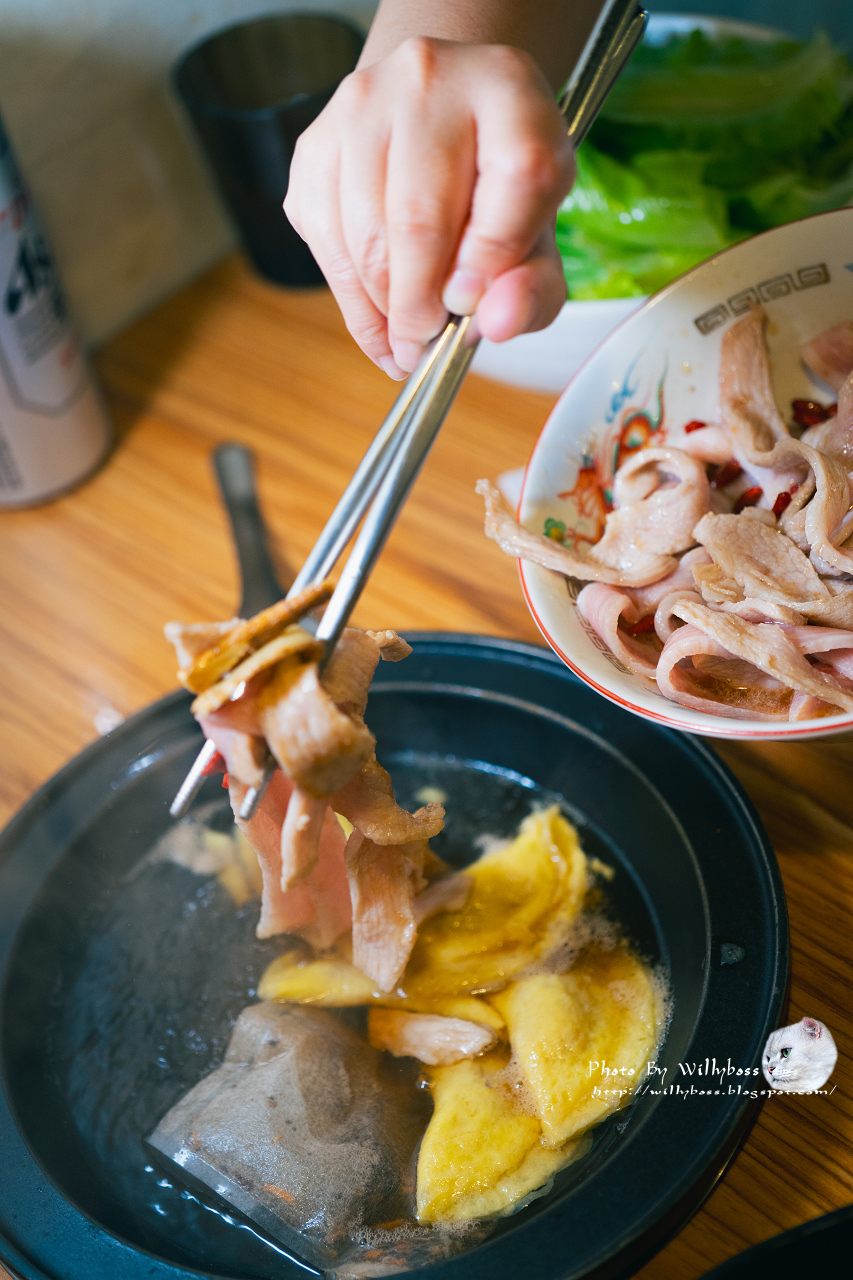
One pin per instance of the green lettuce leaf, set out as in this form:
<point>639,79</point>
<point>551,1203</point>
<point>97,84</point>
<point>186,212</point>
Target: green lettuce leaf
<point>701,143</point>
<point>628,230</point>
<point>789,196</point>
<point>749,116</point>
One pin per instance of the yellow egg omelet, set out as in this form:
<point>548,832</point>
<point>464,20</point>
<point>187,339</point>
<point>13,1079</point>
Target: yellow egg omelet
<point>505,1122</point>
<point>523,898</point>
<point>568,1031</point>
<point>480,1153</point>
<point>337,984</point>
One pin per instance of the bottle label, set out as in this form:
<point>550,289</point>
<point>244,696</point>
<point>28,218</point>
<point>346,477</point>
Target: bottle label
<point>40,356</point>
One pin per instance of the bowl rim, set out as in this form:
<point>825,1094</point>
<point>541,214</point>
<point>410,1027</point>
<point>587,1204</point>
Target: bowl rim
<point>710,726</point>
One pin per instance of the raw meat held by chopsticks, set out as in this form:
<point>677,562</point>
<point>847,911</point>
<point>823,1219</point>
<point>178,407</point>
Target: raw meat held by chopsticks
<point>260,692</point>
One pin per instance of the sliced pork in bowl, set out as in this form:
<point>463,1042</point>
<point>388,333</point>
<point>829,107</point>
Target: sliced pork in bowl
<point>685,531</point>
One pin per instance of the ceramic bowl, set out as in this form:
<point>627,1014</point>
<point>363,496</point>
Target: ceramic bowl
<point>658,371</point>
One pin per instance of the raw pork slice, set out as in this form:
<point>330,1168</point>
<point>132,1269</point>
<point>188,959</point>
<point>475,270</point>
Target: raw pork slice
<point>659,493</point>
<point>635,569</point>
<point>711,443</point>
<point>760,560</point>
<point>319,746</point>
<point>837,434</point>
<point>830,354</point>
<point>745,379</point>
<point>604,607</point>
<point>697,672</point>
<point>825,513</point>
<point>367,801</point>
<point>430,1038</point>
<point>319,908</point>
<point>750,412</point>
<point>384,880</point>
<point>766,646</point>
<point>648,598</point>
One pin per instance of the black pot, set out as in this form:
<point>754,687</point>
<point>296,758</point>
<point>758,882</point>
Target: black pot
<point>122,976</point>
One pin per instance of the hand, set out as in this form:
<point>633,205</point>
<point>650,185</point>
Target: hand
<point>430,184</point>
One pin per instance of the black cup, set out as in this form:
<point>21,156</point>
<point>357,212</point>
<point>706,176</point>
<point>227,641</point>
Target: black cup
<point>250,91</point>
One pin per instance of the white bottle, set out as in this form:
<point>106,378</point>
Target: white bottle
<point>53,427</point>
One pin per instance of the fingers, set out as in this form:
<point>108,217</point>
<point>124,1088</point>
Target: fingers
<point>314,208</point>
<point>429,183</point>
<point>525,167</point>
<point>364,137</point>
<point>527,297</point>
<point>431,173</point>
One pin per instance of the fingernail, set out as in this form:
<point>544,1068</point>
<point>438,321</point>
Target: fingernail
<point>407,354</point>
<point>389,365</point>
<point>462,292</point>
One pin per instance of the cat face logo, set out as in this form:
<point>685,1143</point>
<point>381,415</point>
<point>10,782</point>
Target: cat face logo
<point>800,1058</point>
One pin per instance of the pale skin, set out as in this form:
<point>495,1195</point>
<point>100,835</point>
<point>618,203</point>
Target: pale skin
<point>430,183</point>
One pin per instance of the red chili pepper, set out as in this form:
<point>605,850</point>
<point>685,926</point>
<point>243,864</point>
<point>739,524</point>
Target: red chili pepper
<point>215,765</point>
<point>807,418</point>
<point>640,628</point>
<point>695,425</point>
<point>808,413</point>
<point>225,781</point>
<point>782,502</point>
<point>831,410</point>
<point>748,499</point>
<point>725,474</point>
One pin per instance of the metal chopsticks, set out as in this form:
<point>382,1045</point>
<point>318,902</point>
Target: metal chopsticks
<point>361,490</point>
<point>393,461</point>
<point>192,783</point>
<point>618,31</point>
<point>385,475</point>
<point>418,432</point>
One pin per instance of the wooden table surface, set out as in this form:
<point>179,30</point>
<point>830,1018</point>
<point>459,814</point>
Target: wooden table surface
<point>89,580</point>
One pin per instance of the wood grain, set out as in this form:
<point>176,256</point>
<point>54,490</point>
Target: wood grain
<point>88,581</point>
